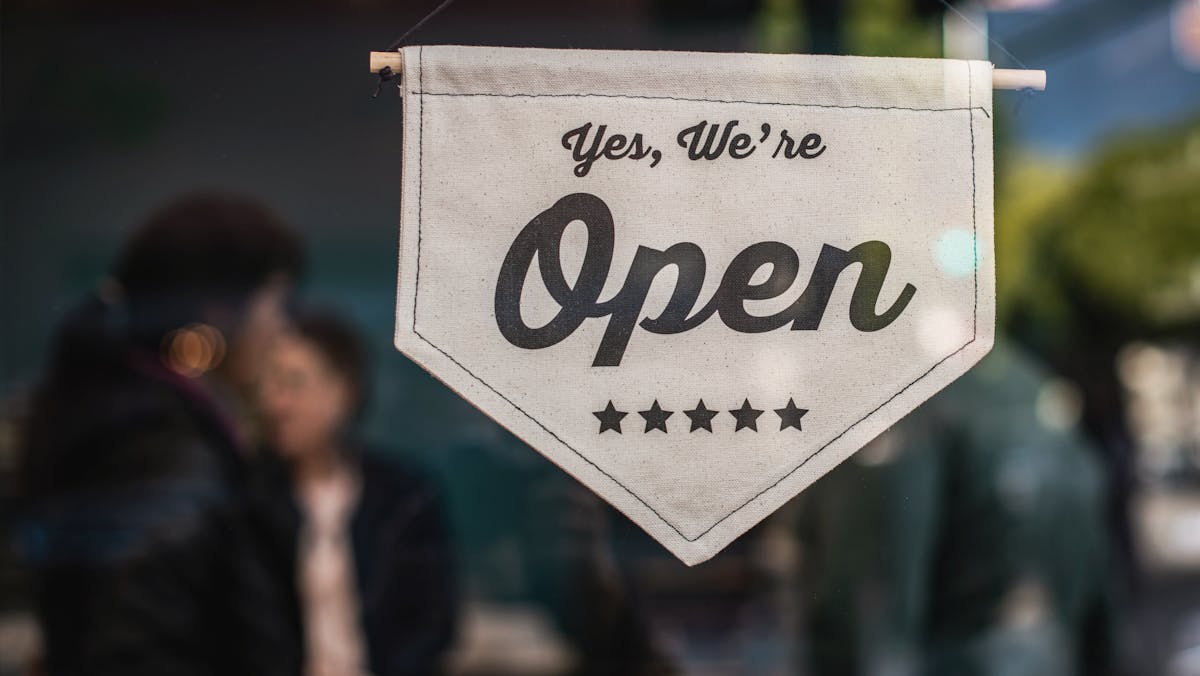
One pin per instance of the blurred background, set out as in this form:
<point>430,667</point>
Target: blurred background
<point>111,109</point>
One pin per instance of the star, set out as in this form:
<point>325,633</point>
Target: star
<point>610,418</point>
<point>789,416</point>
<point>701,417</point>
<point>747,416</point>
<point>656,417</point>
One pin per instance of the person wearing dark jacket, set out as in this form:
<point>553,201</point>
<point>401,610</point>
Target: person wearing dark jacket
<point>134,454</point>
<point>364,539</point>
<point>967,540</point>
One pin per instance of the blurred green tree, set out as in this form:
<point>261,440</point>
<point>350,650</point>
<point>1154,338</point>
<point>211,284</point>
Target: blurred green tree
<point>1118,249</point>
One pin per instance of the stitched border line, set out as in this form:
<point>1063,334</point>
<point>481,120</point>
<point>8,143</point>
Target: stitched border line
<point>416,291</point>
<point>420,171</point>
<point>682,98</point>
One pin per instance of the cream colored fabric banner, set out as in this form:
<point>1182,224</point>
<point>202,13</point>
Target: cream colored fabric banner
<point>696,282</point>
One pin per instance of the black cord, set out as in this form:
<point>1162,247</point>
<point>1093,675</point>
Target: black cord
<point>982,32</point>
<point>436,10</point>
<point>1024,94</point>
<point>386,73</point>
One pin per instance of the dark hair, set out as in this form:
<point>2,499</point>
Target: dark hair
<point>199,250</point>
<point>339,343</point>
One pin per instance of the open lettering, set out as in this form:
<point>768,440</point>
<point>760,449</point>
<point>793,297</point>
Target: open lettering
<point>579,301</point>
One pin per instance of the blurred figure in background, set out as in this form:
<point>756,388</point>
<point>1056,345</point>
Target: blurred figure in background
<point>968,539</point>
<point>135,452</point>
<point>364,541</point>
<point>552,594</point>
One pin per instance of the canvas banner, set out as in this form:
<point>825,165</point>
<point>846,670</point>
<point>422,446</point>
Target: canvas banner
<point>696,282</point>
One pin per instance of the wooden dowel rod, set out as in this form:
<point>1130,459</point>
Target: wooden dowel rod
<point>1002,78</point>
<point>393,60</point>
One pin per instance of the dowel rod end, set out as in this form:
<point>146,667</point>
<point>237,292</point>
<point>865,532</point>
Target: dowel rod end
<point>1004,78</point>
<point>393,60</point>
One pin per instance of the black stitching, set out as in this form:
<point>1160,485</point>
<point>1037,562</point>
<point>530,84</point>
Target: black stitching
<point>551,433</point>
<point>416,290</point>
<point>680,98</point>
<point>420,170</point>
<point>974,226</point>
<point>818,451</point>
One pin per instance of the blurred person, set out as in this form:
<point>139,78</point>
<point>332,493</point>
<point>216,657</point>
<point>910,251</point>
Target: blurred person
<point>548,561</point>
<point>577,573</point>
<point>364,540</point>
<point>134,464</point>
<point>968,539</point>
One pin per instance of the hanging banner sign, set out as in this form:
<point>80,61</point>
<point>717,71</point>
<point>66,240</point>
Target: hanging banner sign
<point>696,282</point>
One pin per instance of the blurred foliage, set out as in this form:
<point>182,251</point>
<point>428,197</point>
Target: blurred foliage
<point>865,27</point>
<point>714,12</point>
<point>1116,246</point>
<point>1026,188</point>
<point>890,28</point>
<point>781,27</point>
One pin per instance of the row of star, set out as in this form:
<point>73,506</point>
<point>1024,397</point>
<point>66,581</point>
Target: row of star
<point>701,417</point>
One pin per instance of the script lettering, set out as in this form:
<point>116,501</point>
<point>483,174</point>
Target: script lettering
<point>580,300</point>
